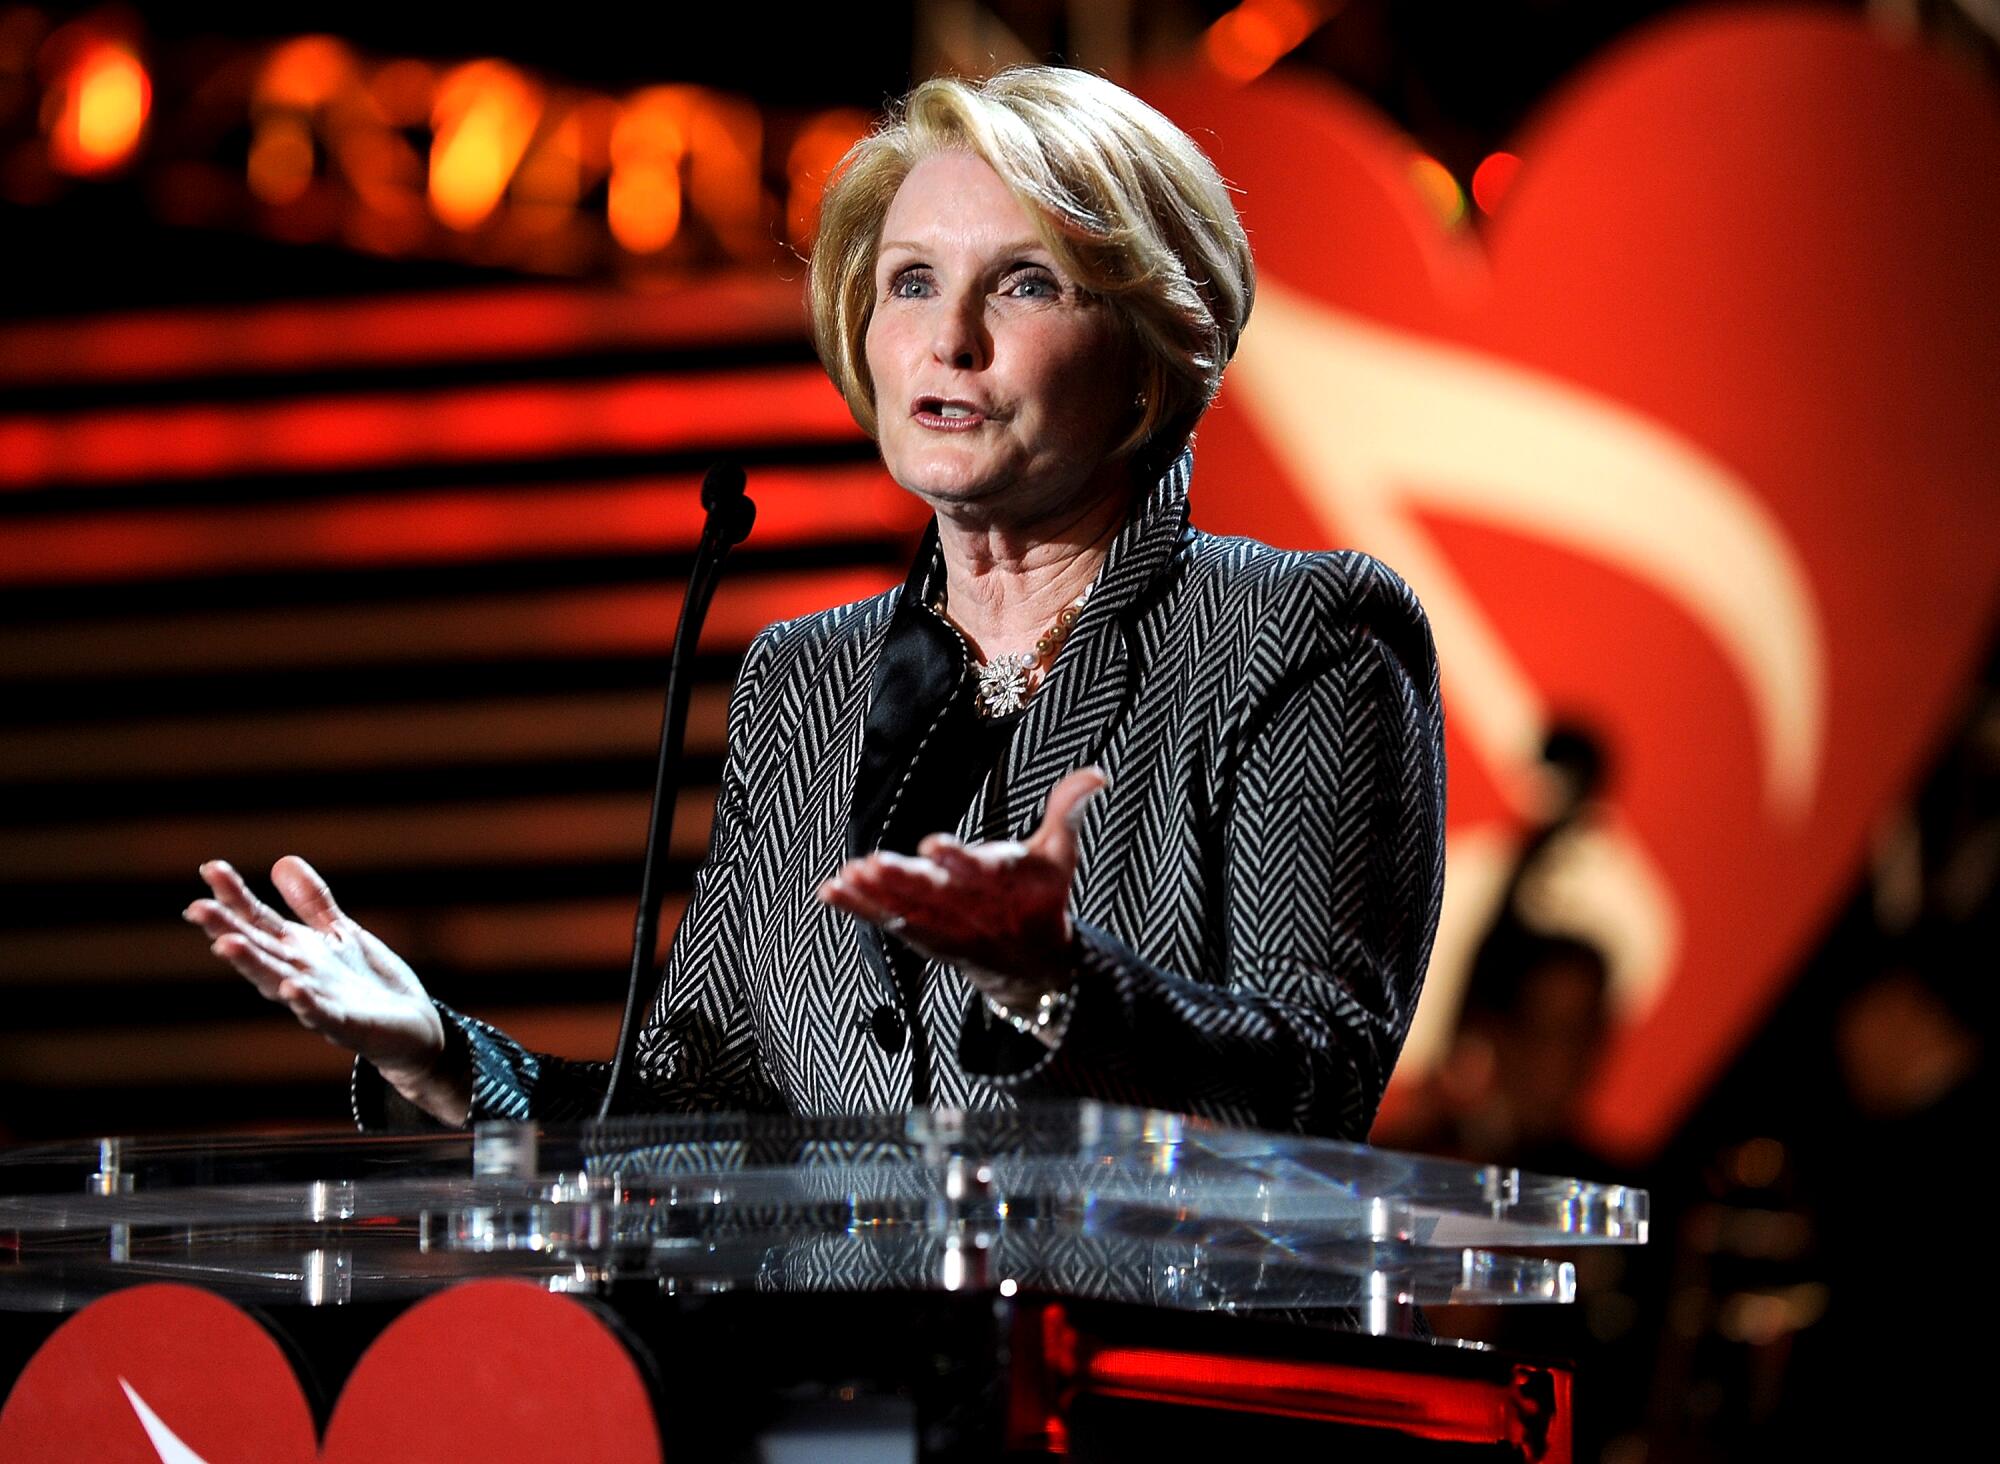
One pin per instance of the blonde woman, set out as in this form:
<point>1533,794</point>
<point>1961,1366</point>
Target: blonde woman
<point>1095,804</point>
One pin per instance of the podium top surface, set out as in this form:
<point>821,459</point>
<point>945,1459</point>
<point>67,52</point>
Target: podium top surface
<point>1074,1197</point>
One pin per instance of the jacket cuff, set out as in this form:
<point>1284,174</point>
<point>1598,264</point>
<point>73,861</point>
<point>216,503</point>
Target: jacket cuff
<point>376,1105</point>
<point>992,1048</point>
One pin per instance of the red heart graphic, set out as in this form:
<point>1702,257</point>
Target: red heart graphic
<point>166,1374</point>
<point>1696,446</point>
<point>494,1370</point>
<point>158,1357</point>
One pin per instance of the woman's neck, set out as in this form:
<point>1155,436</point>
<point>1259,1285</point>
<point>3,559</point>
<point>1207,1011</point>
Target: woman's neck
<point>1005,584</point>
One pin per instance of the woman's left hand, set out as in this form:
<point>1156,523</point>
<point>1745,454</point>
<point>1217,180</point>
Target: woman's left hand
<point>999,912</point>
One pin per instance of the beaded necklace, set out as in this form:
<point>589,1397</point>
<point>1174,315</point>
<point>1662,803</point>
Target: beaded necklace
<point>1004,684</point>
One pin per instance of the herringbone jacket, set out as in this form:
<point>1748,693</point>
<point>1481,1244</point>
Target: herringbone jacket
<point>1257,892</point>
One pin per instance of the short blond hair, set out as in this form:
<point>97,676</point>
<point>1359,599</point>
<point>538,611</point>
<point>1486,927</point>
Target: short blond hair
<point>1130,207</point>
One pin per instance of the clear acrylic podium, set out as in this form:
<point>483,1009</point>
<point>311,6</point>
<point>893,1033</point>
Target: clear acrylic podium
<point>1077,1211</point>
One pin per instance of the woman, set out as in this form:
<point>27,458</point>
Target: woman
<point>1095,805</point>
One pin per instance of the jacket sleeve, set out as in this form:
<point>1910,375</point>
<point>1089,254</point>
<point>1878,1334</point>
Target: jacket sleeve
<point>1333,870</point>
<point>697,1050</point>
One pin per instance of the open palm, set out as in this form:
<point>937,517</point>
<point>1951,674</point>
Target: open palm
<point>998,911</point>
<point>336,977</point>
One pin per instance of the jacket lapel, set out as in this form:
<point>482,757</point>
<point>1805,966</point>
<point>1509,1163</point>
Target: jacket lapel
<point>913,671</point>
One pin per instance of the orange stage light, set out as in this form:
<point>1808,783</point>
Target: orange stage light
<point>97,108</point>
<point>305,73</point>
<point>814,154</point>
<point>1256,35</point>
<point>647,148</point>
<point>485,115</point>
<point>280,166</point>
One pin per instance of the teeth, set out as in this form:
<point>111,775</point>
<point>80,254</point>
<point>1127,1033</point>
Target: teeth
<point>951,410</point>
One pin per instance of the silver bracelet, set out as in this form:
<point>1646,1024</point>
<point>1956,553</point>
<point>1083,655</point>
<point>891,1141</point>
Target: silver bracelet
<point>1046,1022</point>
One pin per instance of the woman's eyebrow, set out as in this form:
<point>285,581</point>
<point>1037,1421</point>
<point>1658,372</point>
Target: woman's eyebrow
<point>908,246</point>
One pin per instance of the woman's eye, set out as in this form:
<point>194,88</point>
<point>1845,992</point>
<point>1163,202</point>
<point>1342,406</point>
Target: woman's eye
<point>1034,286</point>
<point>910,284</point>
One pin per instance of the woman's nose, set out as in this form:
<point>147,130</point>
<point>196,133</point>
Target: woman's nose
<point>961,340</point>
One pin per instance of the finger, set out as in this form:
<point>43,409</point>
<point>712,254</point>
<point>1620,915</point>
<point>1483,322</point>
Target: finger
<point>253,964</point>
<point>216,920</point>
<point>299,997</point>
<point>954,858</point>
<point>868,901</point>
<point>1055,840</point>
<point>928,898</point>
<point>905,879</point>
<point>992,856</point>
<point>842,895</point>
<point>306,893</point>
<point>229,888</point>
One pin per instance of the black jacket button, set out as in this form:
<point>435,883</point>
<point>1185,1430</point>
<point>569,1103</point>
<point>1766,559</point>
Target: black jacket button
<point>885,1024</point>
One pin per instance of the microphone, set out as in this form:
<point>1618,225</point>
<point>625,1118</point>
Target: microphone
<point>730,511</point>
<point>730,515</point>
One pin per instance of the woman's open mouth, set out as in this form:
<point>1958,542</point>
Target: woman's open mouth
<point>946,414</point>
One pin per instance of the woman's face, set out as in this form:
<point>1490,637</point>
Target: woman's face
<point>1000,390</point>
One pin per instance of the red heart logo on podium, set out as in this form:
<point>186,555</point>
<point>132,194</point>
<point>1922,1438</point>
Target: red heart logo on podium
<point>494,1370</point>
<point>1695,445</point>
<point>159,1374</point>
<point>167,1374</point>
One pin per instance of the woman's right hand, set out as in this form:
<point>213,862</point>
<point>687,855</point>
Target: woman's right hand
<point>337,978</point>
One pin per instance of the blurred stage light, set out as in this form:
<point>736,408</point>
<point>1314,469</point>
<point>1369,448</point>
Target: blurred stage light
<point>309,139</point>
<point>280,166</point>
<point>1492,178</point>
<point>96,108</point>
<point>647,145</point>
<point>405,90</point>
<point>1440,190</point>
<point>485,114</point>
<point>814,154</point>
<point>1253,37</point>
<point>725,168</point>
<point>305,74</point>
<point>550,179</point>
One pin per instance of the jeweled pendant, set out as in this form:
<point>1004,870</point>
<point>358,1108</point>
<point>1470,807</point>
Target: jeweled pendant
<point>1003,685</point>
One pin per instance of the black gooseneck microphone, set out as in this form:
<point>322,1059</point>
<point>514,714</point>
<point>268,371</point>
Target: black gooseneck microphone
<point>730,515</point>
